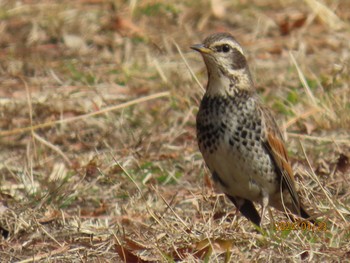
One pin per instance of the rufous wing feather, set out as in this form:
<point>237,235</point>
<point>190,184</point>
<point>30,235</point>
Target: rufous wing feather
<point>279,155</point>
<point>274,145</point>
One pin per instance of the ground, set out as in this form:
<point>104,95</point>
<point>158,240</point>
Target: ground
<point>99,161</point>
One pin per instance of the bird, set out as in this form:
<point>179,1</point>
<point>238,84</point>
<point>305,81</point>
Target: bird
<point>239,138</point>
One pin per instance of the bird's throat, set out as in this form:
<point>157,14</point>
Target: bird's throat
<point>222,83</point>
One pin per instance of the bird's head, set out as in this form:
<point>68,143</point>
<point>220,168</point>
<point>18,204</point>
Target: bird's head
<point>225,60</point>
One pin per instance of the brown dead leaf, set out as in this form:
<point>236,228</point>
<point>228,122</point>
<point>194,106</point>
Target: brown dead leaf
<point>126,255</point>
<point>275,49</point>
<point>218,245</point>
<point>208,182</point>
<point>203,248</point>
<point>343,163</point>
<point>290,22</point>
<point>304,255</point>
<point>183,252</point>
<point>49,216</point>
<point>125,26</point>
<point>4,232</point>
<point>310,127</point>
<point>166,156</point>
<point>92,168</point>
<point>222,214</point>
<point>129,254</point>
<point>134,245</point>
<point>222,245</point>
<point>96,212</point>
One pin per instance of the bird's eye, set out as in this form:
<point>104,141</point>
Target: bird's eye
<point>225,48</point>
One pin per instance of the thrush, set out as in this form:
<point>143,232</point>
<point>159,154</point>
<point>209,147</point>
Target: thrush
<point>238,136</point>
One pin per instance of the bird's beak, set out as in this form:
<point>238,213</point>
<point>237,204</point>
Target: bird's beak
<point>201,48</point>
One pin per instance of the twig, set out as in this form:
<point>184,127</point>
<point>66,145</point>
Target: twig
<point>188,66</point>
<point>80,117</point>
<point>45,255</point>
<point>303,81</point>
<point>52,147</point>
<point>319,139</point>
<point>314,176</point>
<point>302,116</point>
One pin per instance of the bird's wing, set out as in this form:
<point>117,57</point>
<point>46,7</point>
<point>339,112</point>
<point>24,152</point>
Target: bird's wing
<point>275,147</point>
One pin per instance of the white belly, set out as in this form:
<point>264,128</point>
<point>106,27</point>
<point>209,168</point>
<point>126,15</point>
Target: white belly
<point>242,174</point>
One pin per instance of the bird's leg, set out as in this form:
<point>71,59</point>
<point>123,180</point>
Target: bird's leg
<point>264,204</point>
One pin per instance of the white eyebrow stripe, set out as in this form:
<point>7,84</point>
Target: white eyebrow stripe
<point>230,43</point>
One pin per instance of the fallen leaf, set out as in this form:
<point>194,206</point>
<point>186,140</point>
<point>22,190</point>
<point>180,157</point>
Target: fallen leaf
<point>49,216</point>
<point>125,26</point>
<point>95,212</point>
<point>290,22</point>
<point>127,255</point>
<point>203,248</point>
<point>134,245</point>
<point>343,163</point>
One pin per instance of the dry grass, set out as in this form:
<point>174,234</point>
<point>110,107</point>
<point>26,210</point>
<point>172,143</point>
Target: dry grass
<point>99,177</point>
